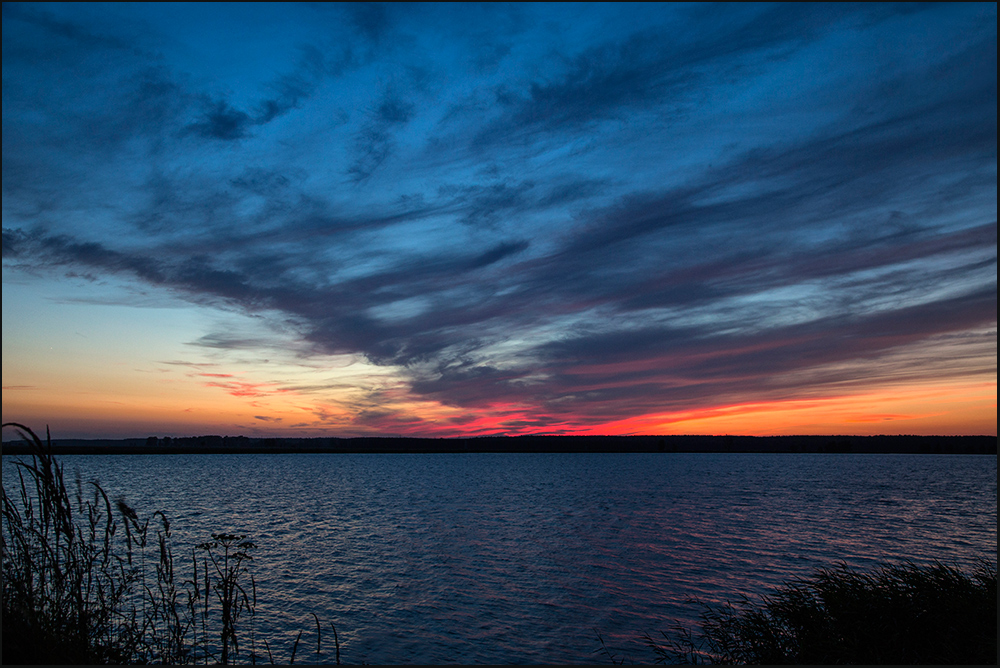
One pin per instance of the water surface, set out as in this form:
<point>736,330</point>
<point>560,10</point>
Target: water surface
<point>517,558</point>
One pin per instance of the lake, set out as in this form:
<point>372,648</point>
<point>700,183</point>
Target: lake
<point>519,558</point>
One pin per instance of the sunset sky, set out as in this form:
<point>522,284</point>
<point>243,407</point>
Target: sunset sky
<point>459,220</point>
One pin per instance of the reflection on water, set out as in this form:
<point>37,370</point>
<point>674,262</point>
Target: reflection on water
<point>504,558</point>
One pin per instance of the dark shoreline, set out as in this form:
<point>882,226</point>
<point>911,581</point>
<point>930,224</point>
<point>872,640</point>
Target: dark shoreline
<point>980,445</point>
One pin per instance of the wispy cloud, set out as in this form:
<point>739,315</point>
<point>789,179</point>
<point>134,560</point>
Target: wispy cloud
<point>696,206</point>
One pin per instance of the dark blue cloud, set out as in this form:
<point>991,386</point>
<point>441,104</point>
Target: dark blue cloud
<point>659,66</point>
<point>70,30</point>
<point>498,253</point>
<point>222,122</point>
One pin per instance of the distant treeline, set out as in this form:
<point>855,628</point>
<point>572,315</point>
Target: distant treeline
<point>667,444</point>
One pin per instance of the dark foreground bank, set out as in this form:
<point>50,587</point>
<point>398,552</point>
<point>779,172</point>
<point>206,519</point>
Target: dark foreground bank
<point>980,445</point>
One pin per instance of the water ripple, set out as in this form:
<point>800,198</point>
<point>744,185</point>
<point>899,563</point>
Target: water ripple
<point>516,558</point>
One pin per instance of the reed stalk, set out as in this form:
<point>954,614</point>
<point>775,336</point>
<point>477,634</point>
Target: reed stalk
<point>77,586</point>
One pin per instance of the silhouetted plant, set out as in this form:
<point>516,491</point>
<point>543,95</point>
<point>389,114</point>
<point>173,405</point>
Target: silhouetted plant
<point>63,587</point>
<point>75,590</point>
<point>603,649</point>
<point>230,593</point>
<point>897,614</point>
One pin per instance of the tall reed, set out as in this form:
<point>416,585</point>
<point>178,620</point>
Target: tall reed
<point>65,590</point>
<point>77,586</point>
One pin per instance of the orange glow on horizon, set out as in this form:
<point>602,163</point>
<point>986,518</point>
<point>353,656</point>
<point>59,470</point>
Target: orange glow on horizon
<point>227,405</point>
<point>952,410</point>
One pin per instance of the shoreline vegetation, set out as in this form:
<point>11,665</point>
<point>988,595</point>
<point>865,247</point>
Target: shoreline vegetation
<point>86,580</point>
<point>887,444</point>
<point>893,614</point>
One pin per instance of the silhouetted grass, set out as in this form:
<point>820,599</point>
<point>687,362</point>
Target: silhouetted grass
<point>77,586</point>
<point>896,614</point>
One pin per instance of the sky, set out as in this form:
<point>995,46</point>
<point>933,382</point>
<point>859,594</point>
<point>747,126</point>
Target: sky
<point>469,220</point>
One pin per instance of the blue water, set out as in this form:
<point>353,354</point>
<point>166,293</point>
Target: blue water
<point>518,558</point>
